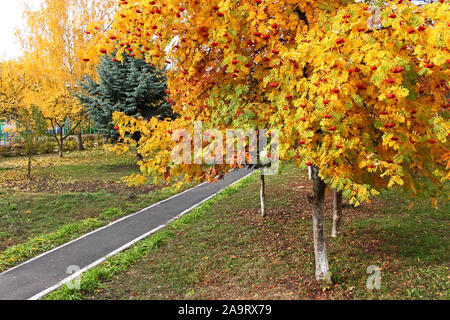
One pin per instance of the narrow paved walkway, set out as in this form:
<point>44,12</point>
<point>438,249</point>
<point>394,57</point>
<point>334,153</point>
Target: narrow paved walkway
<point>34,277</point>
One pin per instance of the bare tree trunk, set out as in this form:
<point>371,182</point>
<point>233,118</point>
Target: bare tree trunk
<point>138,154</point>
<point>29,168</point>
<point>309,172</point>
<point>105,140</point>
<point>61,143</point>
<point>337,213</point>
<point>61,151</point>
<point>80,140</point>
<point>317,202</point>
<point>262,194</point>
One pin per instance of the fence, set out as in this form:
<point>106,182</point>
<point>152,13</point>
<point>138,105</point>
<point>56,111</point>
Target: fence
<point>8,138</point>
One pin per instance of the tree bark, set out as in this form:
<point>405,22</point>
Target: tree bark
<point>262,195</point>
<point>137,137</point>
<point>317,202</point>
<point>337,213</point>
<point>262,190</point>
<point>29,168</point>
<point>60,150</point>
<point>61,143</point>
<point>80,140</point>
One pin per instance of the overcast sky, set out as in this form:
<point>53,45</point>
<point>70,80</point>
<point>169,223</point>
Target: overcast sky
<point>11,18</point>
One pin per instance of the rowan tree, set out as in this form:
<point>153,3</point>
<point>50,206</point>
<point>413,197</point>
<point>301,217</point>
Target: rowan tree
<point>358,92</point>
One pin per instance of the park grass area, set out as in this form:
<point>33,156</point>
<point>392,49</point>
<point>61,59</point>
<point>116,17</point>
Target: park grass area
<point>225,250</point>
<point>65,199</point>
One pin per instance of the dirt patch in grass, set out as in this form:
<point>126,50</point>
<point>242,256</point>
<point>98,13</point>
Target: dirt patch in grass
<point>55,186</point>
<point>119,167</point>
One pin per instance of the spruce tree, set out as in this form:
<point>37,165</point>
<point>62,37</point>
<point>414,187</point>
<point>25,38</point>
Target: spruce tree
<point>134,87</point>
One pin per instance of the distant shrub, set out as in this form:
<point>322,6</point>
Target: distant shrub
<point>47,147</point>
<point>90,141</point>
<point>12,150</point>
<point>70,144</point>
<point>5,151</point>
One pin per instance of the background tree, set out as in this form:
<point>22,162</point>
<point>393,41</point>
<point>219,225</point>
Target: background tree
<point>14,88</point>
<point>17,88</point>
<point>133,87</point>
<point>363,105</point>
<point>31,127</point>
<point>56,45</point>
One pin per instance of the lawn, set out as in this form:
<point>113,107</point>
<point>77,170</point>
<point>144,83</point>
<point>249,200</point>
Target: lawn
<point>225,250</point>
<point>65,199</point>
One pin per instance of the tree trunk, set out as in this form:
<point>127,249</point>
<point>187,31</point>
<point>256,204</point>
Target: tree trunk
<point>29,168</point>
<point>138,154</point>
<point>309,173</point>
<point>80,140</point>
<point>105,140</point>
<point>317,202</point>
<point>337,213</point>
<point>262,190</point>
<point>61,143</point>
<point>262,194</point>
<point>61,151</point>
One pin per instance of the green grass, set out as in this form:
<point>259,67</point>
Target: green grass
<point>224,250</point>
<point>98,171</point>
<point>24,215</point>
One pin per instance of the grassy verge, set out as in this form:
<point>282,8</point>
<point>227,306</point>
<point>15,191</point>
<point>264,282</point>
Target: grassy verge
<point>93,280</point>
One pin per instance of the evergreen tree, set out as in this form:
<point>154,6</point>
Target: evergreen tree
<point>134,87</point>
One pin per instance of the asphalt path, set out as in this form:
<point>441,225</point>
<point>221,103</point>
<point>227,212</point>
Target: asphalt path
<point>43,274</point>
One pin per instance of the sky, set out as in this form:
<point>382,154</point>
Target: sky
<point>10,19</point>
